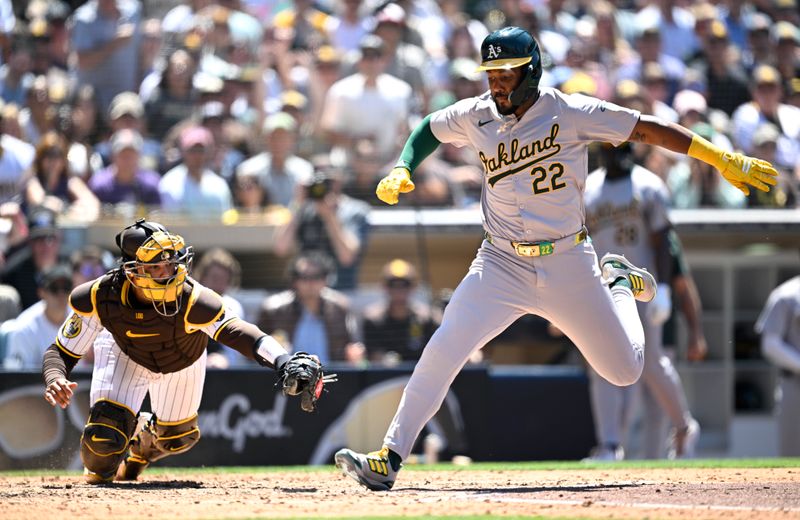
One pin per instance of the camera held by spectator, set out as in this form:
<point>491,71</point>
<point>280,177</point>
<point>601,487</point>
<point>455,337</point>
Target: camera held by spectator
<point>319,187</point>
<point>328,221</point>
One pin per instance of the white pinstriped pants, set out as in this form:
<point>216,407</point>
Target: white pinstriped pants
<point>173,397</point>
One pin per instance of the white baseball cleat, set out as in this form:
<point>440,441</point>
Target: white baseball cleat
<point>372,470</point>
<point>643,285</point>
<point>605,454</point>
<point>684,441</point>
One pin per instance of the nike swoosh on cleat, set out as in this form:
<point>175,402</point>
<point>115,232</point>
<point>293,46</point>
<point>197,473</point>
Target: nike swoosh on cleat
<point>131,334</point>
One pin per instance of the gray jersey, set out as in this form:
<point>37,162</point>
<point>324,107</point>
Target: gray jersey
<point>535,168</point>
<point>781,314</point>
<point>621,214</point>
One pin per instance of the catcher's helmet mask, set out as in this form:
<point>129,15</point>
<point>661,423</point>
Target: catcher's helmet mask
<point>512,47</point>
<point>145,245</point>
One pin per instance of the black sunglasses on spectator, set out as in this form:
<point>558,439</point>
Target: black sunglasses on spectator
<point>309,276</point>
<point>398,283</point>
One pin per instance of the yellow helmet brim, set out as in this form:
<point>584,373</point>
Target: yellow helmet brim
<point>505,64</point>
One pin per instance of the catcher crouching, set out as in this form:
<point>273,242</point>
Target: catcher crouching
<point>149,322</point>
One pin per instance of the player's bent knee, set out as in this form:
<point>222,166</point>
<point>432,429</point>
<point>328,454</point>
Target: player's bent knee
<point>625,377</point>
<point>623,374</point>
<point>626,381</point>
<point>106,437</point>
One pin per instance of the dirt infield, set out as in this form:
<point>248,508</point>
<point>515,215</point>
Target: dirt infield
<point>591,493</point>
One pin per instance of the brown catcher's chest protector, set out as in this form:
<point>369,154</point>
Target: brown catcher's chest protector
<point>158,343</point>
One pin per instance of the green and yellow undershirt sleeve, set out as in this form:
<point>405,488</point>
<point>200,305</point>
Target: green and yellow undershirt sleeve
<point>419,145</point>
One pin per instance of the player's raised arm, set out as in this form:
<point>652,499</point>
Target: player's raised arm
<point>420,144</point>
<point>738,169</point>
<point>298,373</point>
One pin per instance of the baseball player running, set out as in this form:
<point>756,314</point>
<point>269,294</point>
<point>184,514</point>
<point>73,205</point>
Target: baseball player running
<point>532,142</point>
<point>684,291</point>
<point>779,327</point>
<point>149,323</point>
<point>626,212</point>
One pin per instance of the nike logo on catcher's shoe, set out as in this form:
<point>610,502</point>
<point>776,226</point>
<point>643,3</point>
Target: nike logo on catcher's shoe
<point>138,335</point>
<point>378,466</point>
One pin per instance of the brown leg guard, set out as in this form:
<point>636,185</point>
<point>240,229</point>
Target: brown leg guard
<point>105,438</point>
<point>158,440</point>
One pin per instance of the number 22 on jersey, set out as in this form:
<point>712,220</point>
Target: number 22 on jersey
<point>546,180</point>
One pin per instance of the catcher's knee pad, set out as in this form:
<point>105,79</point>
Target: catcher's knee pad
<point>161,439</point>
<point>106,437</point>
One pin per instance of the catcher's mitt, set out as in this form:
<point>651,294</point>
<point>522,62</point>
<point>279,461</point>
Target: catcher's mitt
<point>302,375</point>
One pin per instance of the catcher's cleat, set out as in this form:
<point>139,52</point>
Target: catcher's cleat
<point>95,478</point>
<point>374,470</point>
<point>643,285</point>
<point>133,466</point>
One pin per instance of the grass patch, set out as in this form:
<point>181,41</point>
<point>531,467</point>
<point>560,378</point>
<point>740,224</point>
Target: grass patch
<point>478,466</point>
<point>628,464</point>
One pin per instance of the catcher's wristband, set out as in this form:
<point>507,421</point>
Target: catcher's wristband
<point>706,151</point>
<point>266,351</point>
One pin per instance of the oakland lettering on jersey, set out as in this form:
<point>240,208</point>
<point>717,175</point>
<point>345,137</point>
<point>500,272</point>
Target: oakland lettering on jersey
<point>540,150</point>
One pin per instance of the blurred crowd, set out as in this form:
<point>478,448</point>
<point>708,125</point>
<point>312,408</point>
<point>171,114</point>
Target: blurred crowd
<point>216,108</point>
<point>219,110</point>
<point>309,315</point>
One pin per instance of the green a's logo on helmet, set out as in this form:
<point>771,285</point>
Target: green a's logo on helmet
<point>494,52</point>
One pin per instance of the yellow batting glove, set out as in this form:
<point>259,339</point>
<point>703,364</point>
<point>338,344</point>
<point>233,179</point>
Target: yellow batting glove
<point>741,170</point>
<point>398,181</point>
<point>738,169</point>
